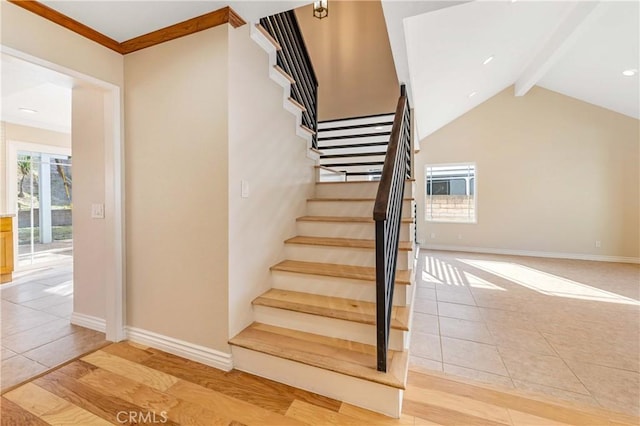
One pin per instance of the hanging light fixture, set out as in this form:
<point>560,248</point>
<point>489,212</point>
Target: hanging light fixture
<point>321,9</point>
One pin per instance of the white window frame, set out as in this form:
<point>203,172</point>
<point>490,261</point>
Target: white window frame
<point>475,193</point>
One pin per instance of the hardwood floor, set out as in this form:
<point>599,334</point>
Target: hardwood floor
<point>124,383</point>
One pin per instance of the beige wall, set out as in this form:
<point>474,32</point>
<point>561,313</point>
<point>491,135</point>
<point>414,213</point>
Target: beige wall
<point>352,59</point>
<point>88,145</point>
<point>265,152</point>
<point>554,174</point>
<point>177,188</point>
<point>16,132</point>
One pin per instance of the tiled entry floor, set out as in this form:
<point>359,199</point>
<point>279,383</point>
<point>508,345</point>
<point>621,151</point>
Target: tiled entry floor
<point>35,330</point>
<point>562,328</point>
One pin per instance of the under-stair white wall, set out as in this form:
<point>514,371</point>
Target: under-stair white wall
<point>266,154</point>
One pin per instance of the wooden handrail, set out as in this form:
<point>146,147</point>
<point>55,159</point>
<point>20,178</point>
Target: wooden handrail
<point>382,199</point>
<point>387,214</point>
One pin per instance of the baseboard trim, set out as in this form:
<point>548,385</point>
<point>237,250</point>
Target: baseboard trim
<point>88,321</point>
<point>201,354</point>
<point>556,255</point>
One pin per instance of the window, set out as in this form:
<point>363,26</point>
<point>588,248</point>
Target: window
<point>451,193</point>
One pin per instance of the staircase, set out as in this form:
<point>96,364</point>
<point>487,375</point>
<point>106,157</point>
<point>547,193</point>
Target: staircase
<point>355,146</point>
<point>315,329</point>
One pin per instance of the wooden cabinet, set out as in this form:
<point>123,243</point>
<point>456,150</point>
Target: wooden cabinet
<point>6,249</point>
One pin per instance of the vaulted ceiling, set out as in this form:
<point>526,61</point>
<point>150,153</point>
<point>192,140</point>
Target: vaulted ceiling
<point>578,48</point>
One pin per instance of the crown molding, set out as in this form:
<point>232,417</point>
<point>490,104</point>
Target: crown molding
<point>181,29</point>
<point>71,24</point>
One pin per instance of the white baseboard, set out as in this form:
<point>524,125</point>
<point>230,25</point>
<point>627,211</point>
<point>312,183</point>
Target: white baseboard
<point>556,255</point>
<point>88,321</point>
<point>201,354</point>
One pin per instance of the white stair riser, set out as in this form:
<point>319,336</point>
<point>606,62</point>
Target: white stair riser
<point>348,230</point>
<point>350,208</point>
<point>358,131</point>
<point>336,287</point>
<point>356,121</point>
<point>362,393</point>
<point>325,326</point>
<point>340,255</point>
<point>355,190</point>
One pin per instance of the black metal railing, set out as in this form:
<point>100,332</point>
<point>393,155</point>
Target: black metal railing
<point>355,146</point>
<point>294,59</point>
<point>387,213</point>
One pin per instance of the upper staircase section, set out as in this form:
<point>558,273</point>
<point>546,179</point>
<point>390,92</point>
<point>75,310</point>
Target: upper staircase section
<point>355,147</point>
<point>294,63</point>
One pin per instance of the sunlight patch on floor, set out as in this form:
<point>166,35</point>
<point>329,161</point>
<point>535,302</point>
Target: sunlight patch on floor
<point>445,274</point>
<point>546,283</point>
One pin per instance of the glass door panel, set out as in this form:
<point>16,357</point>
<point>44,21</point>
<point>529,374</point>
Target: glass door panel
<point>45,230</point>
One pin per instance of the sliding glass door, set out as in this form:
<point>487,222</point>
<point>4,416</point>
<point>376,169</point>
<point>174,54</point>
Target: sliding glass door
<point>45,228</point>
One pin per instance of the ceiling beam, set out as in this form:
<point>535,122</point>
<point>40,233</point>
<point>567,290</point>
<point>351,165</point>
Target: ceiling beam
<point>581,15</point>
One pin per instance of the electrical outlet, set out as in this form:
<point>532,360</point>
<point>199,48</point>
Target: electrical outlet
<point>433,235</point>
<point>598,244</point>
<point>459,236</point>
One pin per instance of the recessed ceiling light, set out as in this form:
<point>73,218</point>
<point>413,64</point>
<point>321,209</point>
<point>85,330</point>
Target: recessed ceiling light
<point>486,61</point>
<point>28,110</point>
<point>630,73</point>
<point>472,94</point>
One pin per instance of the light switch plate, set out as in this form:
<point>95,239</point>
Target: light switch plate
<point>97,211</point>
<point>244,189</point>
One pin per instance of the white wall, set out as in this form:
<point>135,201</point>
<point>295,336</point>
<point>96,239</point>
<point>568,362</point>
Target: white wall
<point>177,188</point>
<point>88,145</point>
<point>265,152</point>
<point>554,174</point>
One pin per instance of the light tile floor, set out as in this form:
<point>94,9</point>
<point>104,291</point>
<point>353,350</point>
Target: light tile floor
<point>35,331</point>
<point>564,328</point>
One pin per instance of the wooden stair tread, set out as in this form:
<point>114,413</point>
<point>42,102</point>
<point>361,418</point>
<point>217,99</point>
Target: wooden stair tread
<point>306,129</point>
<point>269,37</point>
<point>359,181</point>
<point>341,356</point>
<point>365,273</point>
<point>329,169</point>
<point>331,307</point>
<point>350,199</point>
<point>297,104</point>
<point>342,242</point>
<point>356,219</point>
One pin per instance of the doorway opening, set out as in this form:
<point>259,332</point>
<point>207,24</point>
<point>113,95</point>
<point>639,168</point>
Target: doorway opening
<point>43,325</point>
